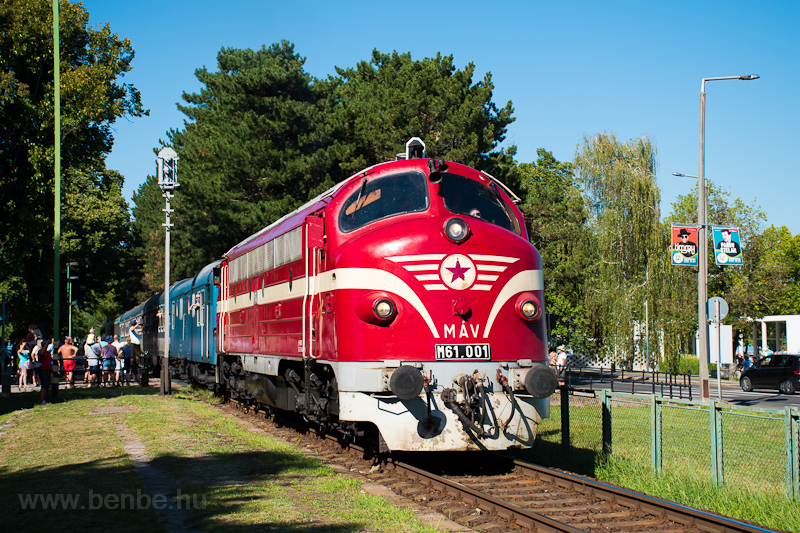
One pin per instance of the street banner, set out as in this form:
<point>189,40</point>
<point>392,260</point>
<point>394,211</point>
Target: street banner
<point>683,250</point>
<point>727,246</point>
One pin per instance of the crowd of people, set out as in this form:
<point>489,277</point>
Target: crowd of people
<point>107,362</point>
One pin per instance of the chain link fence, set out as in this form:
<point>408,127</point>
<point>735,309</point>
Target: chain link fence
<point>719,442</point>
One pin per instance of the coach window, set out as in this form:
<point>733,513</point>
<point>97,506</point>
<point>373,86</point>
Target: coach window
<point>464,196</point>
<point>406,192</point>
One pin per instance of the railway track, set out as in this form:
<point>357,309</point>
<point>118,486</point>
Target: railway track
<point>535,498</point>
<point>511,495</point>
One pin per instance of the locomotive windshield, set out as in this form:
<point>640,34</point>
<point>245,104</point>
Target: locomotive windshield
<point>464,196</point>
<point>406,192</point>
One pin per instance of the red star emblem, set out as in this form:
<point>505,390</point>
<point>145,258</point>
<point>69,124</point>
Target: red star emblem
<point>458,272</point>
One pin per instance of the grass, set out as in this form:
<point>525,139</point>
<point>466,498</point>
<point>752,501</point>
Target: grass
<point>232,478</point>
<point>755,485</point>
<point>744,502</point>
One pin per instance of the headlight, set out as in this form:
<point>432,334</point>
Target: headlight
<point>384,309</point>
<point>528,307</point>
<point>377,308</point>
<point>456,229</point>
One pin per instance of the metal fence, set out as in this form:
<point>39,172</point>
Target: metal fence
<point>716,441</point>
<point>672,384</point>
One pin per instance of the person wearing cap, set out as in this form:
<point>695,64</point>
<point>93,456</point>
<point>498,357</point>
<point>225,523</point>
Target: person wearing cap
<point>109,360</point>
<point>561,359</point>
<point>686,247</point>
<point>92,351</point>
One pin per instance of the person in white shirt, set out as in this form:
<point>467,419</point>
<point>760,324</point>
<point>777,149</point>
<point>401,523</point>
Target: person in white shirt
<point>561,359</point>
<point>135,338</point>
<point>118,364</point>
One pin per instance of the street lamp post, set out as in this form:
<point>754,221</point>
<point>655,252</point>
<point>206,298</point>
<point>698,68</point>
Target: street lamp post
<point>70,279</point>
<point>167,180</point>
<point>702,238</point>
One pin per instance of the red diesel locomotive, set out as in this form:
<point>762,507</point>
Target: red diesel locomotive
<point>405,304</point>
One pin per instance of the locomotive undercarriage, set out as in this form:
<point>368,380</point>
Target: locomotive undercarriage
<point>303,387</point>
<point>473,413</point>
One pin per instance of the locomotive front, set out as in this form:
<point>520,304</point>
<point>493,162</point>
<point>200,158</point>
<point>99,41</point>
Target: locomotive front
<point>432,309</point>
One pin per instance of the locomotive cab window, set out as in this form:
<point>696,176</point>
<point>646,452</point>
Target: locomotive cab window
<point>464,196</point>
<point>406,192</point>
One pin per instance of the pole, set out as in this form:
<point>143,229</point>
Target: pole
<point>167,180</point>
<point>702,237</point>
<point>3,339</point>
<point>57,162</point>
<point>719,349</point>
<point>646,337</point>
<point>702,244</point>
<point>69,295</point>
<point>166,385</point>
<point>5,377</point>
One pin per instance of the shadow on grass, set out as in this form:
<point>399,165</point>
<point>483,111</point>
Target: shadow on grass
<point>111,496</point>
<point>27,400</point>
<point>582,461</point>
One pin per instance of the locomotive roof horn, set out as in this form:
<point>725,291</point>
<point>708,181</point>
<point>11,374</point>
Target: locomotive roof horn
<point>435,169</point>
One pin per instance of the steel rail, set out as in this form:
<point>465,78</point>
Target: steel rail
<point>506,510</point>
<point>703,520</point>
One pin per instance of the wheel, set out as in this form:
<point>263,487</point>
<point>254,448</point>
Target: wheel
<point>746,384</point>
<point>787,387</point>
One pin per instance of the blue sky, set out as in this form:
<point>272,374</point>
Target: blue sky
<point>570,68</point>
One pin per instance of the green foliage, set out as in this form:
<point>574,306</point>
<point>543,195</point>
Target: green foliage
<point>263,137</point>
<point>96,226</point>
<point>623,199</point>
<point>690,364</point>
<point>255,148</point>
<point>765,284</point>
<point>557,220</point>
<point>788,255</point>
<point>147,239</point>
<point>92,98</point>
<point>382,103</point>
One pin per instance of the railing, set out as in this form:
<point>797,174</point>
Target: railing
<point>669,384</point>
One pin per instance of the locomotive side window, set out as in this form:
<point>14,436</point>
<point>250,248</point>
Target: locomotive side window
<point>464,196</point>
<point>406,192</point>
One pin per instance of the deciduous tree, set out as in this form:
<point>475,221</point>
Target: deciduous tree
<point>619,181</point>
<point>557,219</point>
<point>92,98</point>
<point>751,290</point>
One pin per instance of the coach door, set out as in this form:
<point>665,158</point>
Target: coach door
<point>315,244</point>
<point>201,321</point>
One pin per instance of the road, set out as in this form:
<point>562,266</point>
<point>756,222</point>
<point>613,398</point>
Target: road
<point>731,392</point>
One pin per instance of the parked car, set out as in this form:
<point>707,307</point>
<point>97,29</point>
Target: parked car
<point>777,371</point>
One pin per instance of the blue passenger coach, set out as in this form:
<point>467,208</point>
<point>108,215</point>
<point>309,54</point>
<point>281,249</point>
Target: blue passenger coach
<point>193,312</point>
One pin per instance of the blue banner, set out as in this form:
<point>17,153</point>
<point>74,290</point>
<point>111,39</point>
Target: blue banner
<point>727,246</point>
